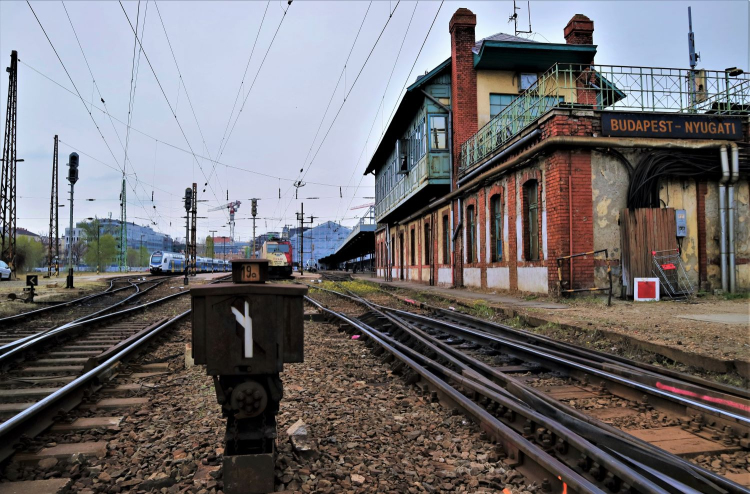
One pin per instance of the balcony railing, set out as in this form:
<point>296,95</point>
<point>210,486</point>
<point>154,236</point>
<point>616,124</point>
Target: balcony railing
<point>610,87</point>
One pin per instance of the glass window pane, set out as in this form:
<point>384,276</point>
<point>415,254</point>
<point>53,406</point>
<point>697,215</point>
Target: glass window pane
<point>438,132</point>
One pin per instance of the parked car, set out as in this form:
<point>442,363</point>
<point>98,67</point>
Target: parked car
<point>4,271</point>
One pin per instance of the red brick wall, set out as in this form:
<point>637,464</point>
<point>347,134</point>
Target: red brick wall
<point>463,81</point>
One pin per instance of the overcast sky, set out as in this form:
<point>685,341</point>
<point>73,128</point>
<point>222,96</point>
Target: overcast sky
<point>275,133</point>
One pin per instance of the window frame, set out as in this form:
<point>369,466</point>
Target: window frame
<point>427,245</point>
<point>531,220</point>
<point>496,228</point>
<point>430,117</point>
<point>470,234</point>
<point>510,95</point>
<point>412,248</point>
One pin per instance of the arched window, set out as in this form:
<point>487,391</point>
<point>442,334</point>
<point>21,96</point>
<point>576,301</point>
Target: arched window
<point>470,234</point>
<point>496,233</point>
<point>531,220</point>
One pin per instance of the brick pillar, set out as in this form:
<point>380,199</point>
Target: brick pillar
<point>566,170</point>
<point>463,82</point>
<point>463,106</point>
<point>580,31</point>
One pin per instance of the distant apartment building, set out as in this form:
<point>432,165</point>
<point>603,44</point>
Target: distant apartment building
<point>319,241</point>
<point>137,235</point>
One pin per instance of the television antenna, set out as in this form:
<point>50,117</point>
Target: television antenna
<point>514,18</point>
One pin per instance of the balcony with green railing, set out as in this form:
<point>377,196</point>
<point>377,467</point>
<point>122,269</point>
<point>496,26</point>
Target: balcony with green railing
<point>611,88</point>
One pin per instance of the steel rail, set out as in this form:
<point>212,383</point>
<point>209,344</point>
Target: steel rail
<point>74,327</point>
<point>549,358</point>
<point>590,354</point>
<point>41,414</point>
<point>560,475</point>
<point>592,429</point>
<point>729,414</point>
<point>38,417</point>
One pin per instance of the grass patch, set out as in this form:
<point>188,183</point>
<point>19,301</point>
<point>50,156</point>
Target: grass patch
<point>482,310</point>
<point>737,296</point>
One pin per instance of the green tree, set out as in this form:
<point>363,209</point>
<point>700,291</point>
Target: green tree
<point>143,256</point>
<point>102,252</point>
<point>29,253</point>
<point>210,246</point>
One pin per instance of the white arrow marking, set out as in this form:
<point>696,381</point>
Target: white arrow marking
<point>247,323</point>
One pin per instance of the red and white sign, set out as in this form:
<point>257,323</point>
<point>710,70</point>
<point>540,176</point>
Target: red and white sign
<point>646,289</point>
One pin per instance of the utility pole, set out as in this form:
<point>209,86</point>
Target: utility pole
<point>213,248</point>
<point>54,235</point>
<point>301,218</point>
<point>123,258</point>
<point>140,252</point>
<point>188,206</point>
<point>72,178</point>
<point>193,239</point>
<point>254,212</point>
<point>694,57</point>
<point>8,174</point>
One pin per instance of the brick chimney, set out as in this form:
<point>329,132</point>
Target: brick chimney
<point>579,31</point>
<point>463,82</point>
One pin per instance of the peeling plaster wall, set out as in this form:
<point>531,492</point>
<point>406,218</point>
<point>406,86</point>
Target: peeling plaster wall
<point>609,189</point>
<point>533,279</point>
<point>498,278</point>
<point>682,194</point>
<point>713,233</point>
<point>742,234</point>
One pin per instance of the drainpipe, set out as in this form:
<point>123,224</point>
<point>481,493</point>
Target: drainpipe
<point>735,176</point>
<point>725,177</point>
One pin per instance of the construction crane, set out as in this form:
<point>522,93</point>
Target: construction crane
<point>232,207</point>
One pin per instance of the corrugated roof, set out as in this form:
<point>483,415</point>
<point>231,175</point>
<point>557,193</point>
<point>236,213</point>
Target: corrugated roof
<point>501,37</point>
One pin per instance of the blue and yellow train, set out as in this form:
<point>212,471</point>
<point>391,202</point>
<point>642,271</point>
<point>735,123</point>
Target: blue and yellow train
<point>172,262</point>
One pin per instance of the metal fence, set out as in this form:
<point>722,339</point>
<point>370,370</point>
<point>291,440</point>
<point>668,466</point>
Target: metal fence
<point>610,87</point>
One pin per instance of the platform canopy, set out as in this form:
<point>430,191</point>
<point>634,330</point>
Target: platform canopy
<point>360,242</point>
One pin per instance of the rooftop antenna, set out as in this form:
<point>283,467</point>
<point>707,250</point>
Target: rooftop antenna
<point>694,57</point>
<point>514,18</point>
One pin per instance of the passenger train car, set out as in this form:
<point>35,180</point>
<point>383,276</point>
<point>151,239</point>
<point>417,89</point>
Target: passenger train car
<point>172,262</point>
<point>279,255</point>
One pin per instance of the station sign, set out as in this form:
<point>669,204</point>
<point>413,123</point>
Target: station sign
<point>679,126</point>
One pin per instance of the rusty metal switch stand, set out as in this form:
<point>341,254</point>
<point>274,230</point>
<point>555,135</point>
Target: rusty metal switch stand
<point>244,332</point>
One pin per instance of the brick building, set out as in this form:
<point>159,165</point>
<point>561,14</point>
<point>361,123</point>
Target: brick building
<point>512,155</point>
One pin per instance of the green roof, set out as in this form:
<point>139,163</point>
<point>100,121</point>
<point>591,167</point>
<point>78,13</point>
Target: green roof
<point>513,55</point>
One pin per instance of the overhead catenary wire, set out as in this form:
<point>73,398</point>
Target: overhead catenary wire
<point>381,107</point>
<point>98,91</point>
<point>257,73</point>
<point>174,146</point>
<point>306,168</point>
<point>88,110</point>
<point>242,82</point>
<point>153,71</point>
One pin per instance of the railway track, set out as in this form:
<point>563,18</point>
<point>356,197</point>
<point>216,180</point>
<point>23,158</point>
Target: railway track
<point>566,417</point>
<point>18,328</point>
<point>54,371</point>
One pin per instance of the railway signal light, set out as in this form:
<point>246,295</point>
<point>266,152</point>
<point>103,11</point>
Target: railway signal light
<point>188,199</point>
<point>254,209</point>
<point>73,168</point>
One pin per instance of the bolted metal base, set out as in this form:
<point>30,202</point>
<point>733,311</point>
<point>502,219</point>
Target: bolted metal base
<point>69,280</point>
<point>249,474</point>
